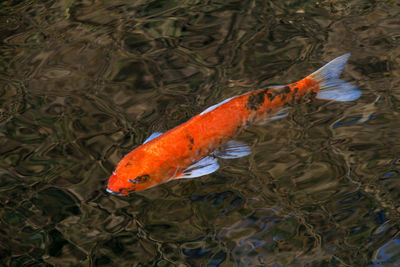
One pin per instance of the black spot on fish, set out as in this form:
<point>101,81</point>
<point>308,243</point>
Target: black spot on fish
<point>283,97</point>
<point>255,100</point>
<point>128,164</point>
<point>286,90</point>
<point>270,96</point>
<point>295,90</point>
<point>191,140</point>
<point>140,179</point>
<point>309,96</point>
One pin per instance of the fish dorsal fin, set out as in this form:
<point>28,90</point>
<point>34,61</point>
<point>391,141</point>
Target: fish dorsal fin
<point>215,106</point>
<point>275,86</point>
<point>232,149</point>
<point>152,136</point>
<point>202,167</point>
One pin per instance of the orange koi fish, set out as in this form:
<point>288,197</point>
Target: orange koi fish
<point>191,149</point>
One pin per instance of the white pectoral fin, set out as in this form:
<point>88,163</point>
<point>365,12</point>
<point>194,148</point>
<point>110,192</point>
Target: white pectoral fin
<point>280,114</point>
<point>152,136</point>
<point>284,112</point>
<point>202,167</point>
<point>232,149</point>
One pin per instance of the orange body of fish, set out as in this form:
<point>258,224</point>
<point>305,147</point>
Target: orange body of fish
<point>190,149</point>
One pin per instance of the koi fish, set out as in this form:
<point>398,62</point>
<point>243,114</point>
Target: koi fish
<point>191,149</point>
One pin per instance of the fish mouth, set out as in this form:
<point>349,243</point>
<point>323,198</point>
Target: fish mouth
<point>112,192</point>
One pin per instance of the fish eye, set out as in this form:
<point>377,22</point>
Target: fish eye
<point>140,179</point>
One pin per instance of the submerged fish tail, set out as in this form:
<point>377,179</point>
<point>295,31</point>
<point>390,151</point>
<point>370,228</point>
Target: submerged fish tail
<point>330,87</point>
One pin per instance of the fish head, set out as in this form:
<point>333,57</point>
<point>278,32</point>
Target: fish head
<point>122,186</point>
<point>135,172</point>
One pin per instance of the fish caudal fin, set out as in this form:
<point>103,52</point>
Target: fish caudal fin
<point>331,87</point>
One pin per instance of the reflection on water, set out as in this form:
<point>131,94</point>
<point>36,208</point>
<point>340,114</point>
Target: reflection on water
<point>82,83</point>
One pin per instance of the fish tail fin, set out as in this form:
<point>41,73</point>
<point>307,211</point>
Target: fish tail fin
<point>330,86</point>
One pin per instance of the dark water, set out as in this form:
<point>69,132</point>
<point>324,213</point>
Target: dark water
<point>83,83</point>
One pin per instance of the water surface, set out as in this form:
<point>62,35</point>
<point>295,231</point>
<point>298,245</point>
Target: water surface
<point>83,83</point>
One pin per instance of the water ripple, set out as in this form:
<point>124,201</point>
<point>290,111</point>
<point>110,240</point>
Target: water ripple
<point>83,83</point>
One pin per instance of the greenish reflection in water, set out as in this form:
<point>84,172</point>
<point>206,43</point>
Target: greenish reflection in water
<point>83,83</point>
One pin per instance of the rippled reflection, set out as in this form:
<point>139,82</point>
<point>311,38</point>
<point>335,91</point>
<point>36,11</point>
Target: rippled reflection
<point>82,83</point>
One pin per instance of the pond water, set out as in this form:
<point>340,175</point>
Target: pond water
<point>85,82</point>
